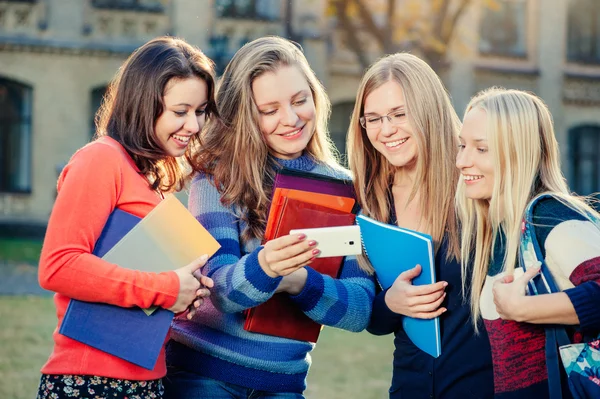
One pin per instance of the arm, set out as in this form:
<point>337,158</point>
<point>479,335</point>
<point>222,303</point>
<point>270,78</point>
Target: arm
<point>86,197</point>
<point>512,303</point>
<point>575,246</point>
<point>546,309</point>
<point>239,281</point>
<point>344,303</point>
<point>571,247</point>
<point>383,319</point>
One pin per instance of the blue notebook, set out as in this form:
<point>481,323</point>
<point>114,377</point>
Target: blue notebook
<point>393,250</point>
<point>127,333</point>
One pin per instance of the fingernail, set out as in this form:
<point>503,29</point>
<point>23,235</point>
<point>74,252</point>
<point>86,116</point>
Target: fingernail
<point>444,310</point>
<point>316,252</point>
<point>204,257</point>
<point>301,237</point>
<point>312,243</point>
<point>445,284</point>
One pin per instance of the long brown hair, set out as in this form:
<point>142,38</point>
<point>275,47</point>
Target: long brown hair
<point>134,101</point>
<point>436,127</point>
<point>233,150</point>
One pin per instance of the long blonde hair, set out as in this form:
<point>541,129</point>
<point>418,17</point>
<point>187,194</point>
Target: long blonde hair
<point>435,125</point>
<point>233,150</point>
<point>526,160</point>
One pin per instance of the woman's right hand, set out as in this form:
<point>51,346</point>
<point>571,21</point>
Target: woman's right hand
<point>418,301</point>
<point>286,254</point>
<point>188,285</point>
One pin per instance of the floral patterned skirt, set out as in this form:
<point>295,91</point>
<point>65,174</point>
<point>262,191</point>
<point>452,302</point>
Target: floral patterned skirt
<point>92,387</point>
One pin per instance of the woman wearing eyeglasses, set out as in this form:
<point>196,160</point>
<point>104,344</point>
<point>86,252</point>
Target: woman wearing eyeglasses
<point>402,145</point>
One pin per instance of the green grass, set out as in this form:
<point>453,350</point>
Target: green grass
<point>350,365</point>
<point>20,250</point>
<point>26,337</point>
<point>345,365</point>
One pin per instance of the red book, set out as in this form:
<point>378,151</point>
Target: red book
<point>280,316</point>
<point>339,202</point>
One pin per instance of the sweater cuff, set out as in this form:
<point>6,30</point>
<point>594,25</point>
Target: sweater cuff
<point>257,276</point>
<point>585,298</point>
<point>312,292</point>
<point>170,291</point>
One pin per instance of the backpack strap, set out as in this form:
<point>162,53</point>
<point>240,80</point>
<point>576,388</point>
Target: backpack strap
<point>531,254</point>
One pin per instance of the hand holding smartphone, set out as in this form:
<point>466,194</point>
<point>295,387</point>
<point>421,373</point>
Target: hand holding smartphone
<point>334,241</point>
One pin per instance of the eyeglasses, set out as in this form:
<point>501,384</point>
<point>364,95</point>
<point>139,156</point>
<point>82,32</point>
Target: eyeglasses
<point>372,122</point>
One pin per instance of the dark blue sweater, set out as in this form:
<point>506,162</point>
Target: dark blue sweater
<point>464,369</point>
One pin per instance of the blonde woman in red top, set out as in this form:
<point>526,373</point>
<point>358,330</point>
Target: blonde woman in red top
<point>152,115</point>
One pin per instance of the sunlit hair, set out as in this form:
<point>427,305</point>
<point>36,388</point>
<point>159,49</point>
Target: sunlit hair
<point>435,126</point>
<point>233,150</point>
<point>526,161</point>
<point>134,101</point>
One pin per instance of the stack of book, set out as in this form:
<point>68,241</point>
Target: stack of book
<point>169,237</point>
<point>302,200</point>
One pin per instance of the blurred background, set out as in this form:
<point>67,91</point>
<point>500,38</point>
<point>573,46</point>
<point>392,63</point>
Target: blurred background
<point>57,57</point>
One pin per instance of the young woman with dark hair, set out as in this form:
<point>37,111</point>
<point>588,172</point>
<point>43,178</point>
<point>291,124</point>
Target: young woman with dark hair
<point>151,117</point>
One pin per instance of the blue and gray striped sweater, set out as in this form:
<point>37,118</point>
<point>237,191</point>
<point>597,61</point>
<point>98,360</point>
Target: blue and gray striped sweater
<point>214,344</point>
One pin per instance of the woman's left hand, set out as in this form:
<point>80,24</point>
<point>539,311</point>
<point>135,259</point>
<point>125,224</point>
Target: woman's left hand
<point>509,294</point>
<point>203,292</point>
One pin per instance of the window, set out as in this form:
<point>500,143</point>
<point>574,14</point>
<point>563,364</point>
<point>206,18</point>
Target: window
<point>583,34</point>
<point>219,52</point>
<point>15,137</point>
<point>339,124</point>
<point>96,101</point>
<point>249,9</point>
<point>585,162</point>
<point>132,5</point>
<point>503,29</point>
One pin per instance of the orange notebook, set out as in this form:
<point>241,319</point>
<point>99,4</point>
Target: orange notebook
<point>280,316</point>
<point>337,202</point>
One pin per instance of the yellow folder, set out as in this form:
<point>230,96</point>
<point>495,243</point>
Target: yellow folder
<point>167,238</point>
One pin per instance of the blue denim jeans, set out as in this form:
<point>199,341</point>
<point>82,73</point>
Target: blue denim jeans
<point>180,384</point>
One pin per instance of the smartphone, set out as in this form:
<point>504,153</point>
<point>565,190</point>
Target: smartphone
<point>334,241</point>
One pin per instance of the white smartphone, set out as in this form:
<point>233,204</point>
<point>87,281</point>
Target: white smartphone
<point>334,241</point>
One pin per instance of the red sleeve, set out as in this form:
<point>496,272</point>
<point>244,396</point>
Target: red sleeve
<point>88,189</point>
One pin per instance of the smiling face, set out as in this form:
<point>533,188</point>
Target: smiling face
<point>395,140</point>
<point>287,111</point>
<point>474,160</point>
<point>183,116</point>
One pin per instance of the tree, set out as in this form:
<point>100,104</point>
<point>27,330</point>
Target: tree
<point>425,27</point>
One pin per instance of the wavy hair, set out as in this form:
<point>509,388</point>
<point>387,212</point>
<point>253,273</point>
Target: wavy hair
<point>134,101</point>
<point>233,150</point>
<point>526,161</point>
<point>435,126</point>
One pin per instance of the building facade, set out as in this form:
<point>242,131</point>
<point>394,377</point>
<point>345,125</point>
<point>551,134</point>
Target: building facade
<point>57,56</point>
<point>553,51</point>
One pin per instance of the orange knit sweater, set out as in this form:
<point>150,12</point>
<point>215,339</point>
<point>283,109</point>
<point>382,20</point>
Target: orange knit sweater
<point>99,178</point>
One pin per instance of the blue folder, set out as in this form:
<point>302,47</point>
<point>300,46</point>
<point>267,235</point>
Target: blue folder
<point>127,333</point>
<point>393,250</point>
